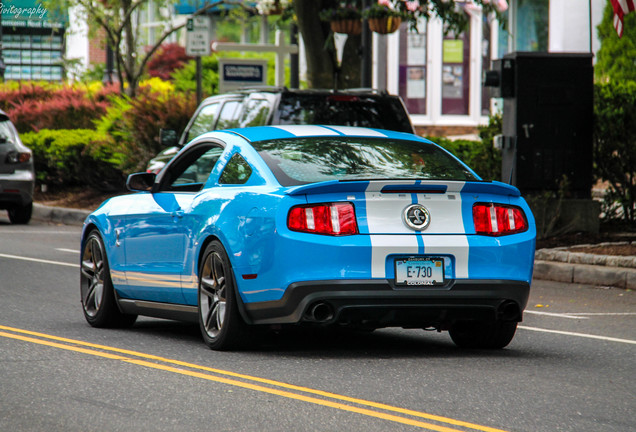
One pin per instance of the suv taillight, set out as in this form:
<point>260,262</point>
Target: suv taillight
<point>15,157</point>
<point>498,219</point>
<point>328,219</point>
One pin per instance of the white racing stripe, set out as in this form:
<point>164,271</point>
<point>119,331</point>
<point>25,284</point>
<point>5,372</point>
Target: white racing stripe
<point>455,245</point>
<point>306,130</point>
<point>384,245</point>
<point>357,131</point>
<point>389,234</point>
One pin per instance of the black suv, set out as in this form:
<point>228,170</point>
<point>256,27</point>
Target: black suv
<point>282,106</point>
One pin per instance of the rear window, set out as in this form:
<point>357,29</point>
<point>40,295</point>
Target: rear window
<point>315,159</point>
<point>7,132</point>
<point>344,110</point>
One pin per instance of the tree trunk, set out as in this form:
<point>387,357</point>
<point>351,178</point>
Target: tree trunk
<point>320,50</point>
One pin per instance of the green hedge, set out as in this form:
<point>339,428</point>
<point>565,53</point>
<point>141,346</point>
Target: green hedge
<point>615,147</point>
<point>76,157</point>
<point>481,156</point>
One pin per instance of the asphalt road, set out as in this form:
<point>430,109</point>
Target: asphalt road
<point>571,367</point>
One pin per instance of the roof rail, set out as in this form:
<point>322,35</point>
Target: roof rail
<point>263,88</point>
<point>382,92</point>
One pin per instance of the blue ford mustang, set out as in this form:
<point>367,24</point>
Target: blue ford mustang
<point>312,225</point>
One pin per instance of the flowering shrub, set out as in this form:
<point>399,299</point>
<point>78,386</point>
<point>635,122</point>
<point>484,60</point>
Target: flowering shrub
<point>132,125</point>
<point>35,106</point>
<point>166,60</point>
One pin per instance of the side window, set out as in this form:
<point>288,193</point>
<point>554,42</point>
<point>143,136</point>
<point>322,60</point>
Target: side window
<point>191,173</point>
<point>256,113</point>
<point>237,171</point>
<point>228,117</point>
<point>204,122</point>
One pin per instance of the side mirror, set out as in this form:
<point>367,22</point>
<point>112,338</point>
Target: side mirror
<point>168,137</point>
<point>141,182</point>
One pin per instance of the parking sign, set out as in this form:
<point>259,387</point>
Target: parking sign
<point>198,36</point>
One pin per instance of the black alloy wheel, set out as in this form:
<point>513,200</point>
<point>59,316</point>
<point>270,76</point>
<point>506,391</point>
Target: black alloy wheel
<point>222,326</point>
<point>96,287</point>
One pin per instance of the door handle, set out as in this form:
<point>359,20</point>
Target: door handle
<point>177,214</point>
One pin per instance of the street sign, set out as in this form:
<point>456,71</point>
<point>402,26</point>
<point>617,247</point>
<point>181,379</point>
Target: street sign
<point>198,36</point>
<point>237,73</point>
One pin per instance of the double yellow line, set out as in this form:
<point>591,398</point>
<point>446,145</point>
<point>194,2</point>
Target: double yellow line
<point>281,389</point>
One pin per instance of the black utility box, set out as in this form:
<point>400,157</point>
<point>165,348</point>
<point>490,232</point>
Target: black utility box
<point>547,120</point>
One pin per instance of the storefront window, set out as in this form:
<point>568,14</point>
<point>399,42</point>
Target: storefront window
<point>532,25</point>
<point>413,68</point>
<point>456,73</point>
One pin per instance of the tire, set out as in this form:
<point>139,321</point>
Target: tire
<point>222,326</point>
<point>21,214</point>
<point>96,287</point>
<point>483,334</point>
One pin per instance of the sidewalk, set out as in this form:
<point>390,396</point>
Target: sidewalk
<point>550,264</point>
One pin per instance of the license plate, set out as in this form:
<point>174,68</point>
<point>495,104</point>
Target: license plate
<point>419,271</point>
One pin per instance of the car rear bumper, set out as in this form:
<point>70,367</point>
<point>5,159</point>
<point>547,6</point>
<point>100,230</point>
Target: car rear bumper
<point>16,189</point>
<point>377,303</point>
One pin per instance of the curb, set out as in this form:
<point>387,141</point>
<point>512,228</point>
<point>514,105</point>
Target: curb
<point>60,215</point>
<point>619,277</point>
<point>560,265</point>
<point>557,264</point>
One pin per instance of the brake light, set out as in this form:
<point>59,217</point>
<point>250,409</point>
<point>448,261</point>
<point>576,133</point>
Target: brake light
<point>498,219</point>
<point>342,98</point>
<point>328,219</point>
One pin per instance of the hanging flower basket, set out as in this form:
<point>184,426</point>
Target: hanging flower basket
<point>272,7</point>
<point>351,27</point>
<point>385,25</point>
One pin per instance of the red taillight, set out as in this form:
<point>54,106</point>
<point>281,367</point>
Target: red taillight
<point>18,157</point>
<point>327,219</point>
<point>498,219</point>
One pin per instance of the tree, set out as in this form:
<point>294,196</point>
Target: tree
<point>318,40</point>
<point>616,57</point>
<point>118,20</point>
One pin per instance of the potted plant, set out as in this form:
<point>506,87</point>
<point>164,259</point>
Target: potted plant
<point>385,17</point>
<point>344,19</point>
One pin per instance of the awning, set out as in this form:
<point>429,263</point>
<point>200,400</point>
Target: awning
<point>188,7</point>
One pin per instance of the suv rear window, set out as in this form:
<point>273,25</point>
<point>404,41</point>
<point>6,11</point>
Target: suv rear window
<point>7,131</point>
<point>344,110</point>
<point>316,159</point>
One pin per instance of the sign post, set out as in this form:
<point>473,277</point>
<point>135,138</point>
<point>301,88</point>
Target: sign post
<point>280,48</point>
<point>198,44</point>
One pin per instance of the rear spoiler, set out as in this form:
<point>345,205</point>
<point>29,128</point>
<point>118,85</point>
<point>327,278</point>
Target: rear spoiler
<point>408,186</point>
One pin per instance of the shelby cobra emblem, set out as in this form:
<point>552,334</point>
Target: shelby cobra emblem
<point>417,217</point>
